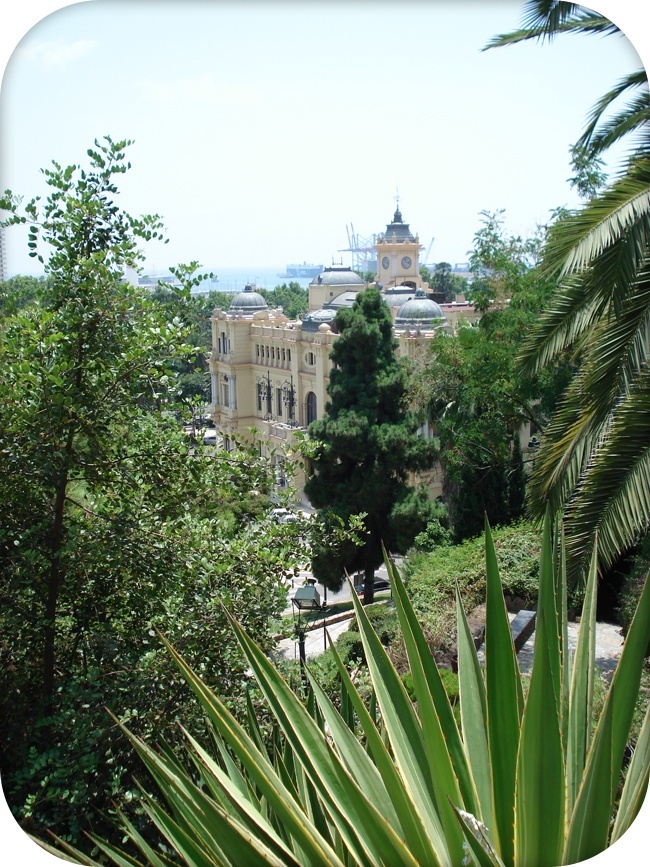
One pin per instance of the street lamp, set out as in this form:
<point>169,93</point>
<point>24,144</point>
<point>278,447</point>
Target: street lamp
<point>265,393</point>
<point>289,400</point>
<point>306,599</point>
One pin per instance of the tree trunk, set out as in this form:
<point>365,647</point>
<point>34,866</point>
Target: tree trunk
<point>369,585</point>
<point>53,585</point>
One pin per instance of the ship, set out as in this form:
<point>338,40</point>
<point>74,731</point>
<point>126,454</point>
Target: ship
<point>304,270</point>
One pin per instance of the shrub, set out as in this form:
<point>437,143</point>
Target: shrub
<point>520,781</point>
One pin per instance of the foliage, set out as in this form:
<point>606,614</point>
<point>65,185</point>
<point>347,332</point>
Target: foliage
<point>436,534</point>
<point>19,292</point>
<point>630,592</point>
<point>365,445</point>
<point>109,518</point>
<point>588,176</point>
<point>293,299</point>
<point>469,388</point>
<point>518,781</point>
<point>594,462</point>
<point>444,281</point>
<point>433,577</point>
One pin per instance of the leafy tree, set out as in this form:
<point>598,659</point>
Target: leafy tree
<point>470,391</point>
<point>293,299</point>
<point>594,461</point>
<point>366,444</point>
<point>588,177</point>
<point>18,292</point>
<point>498,262</point>
<point>446,282</point>
<point>109,520</point>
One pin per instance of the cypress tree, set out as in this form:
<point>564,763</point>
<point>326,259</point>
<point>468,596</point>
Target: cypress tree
<point>365,445</point>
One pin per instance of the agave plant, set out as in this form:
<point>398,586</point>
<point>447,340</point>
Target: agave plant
<point>522,780</point>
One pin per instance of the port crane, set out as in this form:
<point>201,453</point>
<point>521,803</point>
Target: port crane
<point>364,253</point>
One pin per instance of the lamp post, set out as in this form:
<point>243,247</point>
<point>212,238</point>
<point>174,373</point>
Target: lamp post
<point>306,599</point>
<point>265,393</point>
<point>289,400</point>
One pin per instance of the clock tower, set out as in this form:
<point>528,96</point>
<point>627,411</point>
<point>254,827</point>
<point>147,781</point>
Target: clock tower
<point>398,255</point>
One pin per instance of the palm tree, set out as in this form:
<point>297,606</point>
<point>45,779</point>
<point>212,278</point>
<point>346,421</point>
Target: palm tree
<point>594,461</point>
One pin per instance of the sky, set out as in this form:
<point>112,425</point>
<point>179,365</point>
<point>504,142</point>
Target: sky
<point>264,131</point>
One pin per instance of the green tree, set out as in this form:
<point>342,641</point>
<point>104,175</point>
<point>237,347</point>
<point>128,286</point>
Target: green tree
<point>446,282</point>
<point>18,292</point>
<point>594,461</point>
<point>471,392</point>
<point>109,519</point>
<point>366,443</point>
<point>293,299</point>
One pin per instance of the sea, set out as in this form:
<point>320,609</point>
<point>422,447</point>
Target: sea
<point>235,279</point>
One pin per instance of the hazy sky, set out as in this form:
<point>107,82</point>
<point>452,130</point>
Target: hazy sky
<point>263,129</point>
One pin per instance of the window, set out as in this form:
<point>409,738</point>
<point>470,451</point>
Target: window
<point>288,355</point>
<point>257,350</point>
<point>311,407</point>
<point>225,394</point>
<point>310,358</point>
<point>278,398</point>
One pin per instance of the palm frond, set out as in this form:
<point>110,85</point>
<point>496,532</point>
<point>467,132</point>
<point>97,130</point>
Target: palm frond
<point>602,252</point>
<point>613,498</point>
<point>597,136</point>
<point>544,19</point>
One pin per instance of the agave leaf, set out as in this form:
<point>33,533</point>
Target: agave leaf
<point>478,840</point>
<point>627,677</point>
<point>589,825</point>
<point>413,829</point>
<point>247,811</point>
<point>122,859</point>
<point>154,859</point>
<point>473,714</point>
<point>430,690</point>
<point>355,757</point>
<point>259,768</point>
<point>408,743</point>
<point>66,852</point>
<point>540,789</point>
<point>636,782</point>
<point>582,690</point>
<point>431,706</point>
<point>366,832</point>
<point>562,603</point>
<point>504,703</point>
<point>201,823</point>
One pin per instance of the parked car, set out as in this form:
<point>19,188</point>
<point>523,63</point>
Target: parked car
<point>210,438</point>
<point>380,583</point>
<point>283,516</point>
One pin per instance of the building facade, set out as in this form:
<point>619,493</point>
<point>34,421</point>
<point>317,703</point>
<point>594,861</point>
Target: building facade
<point>269,374</point>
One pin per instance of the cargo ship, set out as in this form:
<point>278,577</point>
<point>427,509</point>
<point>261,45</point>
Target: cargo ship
<point>304,270</point>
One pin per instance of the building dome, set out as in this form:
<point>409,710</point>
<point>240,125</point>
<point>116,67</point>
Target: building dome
<point>338,275</point>
<point>312,321</point>
<point>419,312</point>
<point>248,302</point>
<point>343,299</point>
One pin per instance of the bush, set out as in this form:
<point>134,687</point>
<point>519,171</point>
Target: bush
<point>432,577</point>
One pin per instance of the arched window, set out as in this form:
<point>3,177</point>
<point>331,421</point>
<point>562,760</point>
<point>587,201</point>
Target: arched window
<point>311,408</point>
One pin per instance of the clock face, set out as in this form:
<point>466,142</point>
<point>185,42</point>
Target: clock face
<point>406,262</point>
<point>385,262</point>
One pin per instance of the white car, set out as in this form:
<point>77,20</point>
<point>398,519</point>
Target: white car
<point>283,516</point>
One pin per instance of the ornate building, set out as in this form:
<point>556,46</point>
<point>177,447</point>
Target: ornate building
<point>270,374</point>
